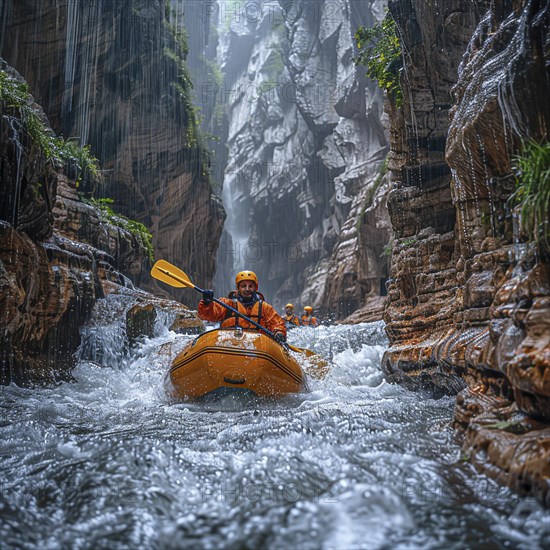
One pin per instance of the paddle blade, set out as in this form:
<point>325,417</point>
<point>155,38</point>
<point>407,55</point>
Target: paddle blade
<point>308,352</point>
<point>170,274</point>
<point>317,367</point>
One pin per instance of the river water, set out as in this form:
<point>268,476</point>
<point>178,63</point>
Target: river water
<point>108,462</point>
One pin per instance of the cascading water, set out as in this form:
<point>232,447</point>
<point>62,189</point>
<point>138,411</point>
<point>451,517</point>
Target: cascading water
<point>81,64</point>
<point>243,171</point>
<point>109,462</point>
<point>70,56</point>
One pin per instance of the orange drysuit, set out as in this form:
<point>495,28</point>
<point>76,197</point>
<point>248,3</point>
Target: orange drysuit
<point>308,321</point>
<point>259,311</point>
<point>292,319</point>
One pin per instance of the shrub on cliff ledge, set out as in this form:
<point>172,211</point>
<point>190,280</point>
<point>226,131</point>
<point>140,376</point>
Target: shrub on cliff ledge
<point>380,52</point>
<point>532,196</point>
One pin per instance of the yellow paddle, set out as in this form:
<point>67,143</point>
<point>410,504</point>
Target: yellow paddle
<point>170,274</point>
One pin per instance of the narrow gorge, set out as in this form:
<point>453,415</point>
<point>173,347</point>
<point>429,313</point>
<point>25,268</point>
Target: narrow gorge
<point>410,209</point>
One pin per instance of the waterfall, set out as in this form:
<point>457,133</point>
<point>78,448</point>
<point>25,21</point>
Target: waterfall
<point>71,45</point>
<point>81,61</point>
<point>303,137</point>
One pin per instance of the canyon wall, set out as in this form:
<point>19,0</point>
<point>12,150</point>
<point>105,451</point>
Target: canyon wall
<point>58,256</point>
<point>113,75</point>
<point>469,294</point>
<point>306,145</point>
<point>302,145</point>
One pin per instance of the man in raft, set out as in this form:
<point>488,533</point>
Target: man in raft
<point>292,320</point>
<point>307,319</point>
<point>248,302</point>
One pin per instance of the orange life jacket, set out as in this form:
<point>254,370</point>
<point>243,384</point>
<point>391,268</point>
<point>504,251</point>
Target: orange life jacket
<point>254,313</point>
<point>292,319</point>
<point>309,321</point>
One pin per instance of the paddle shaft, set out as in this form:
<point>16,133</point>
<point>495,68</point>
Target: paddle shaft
<point>188,284</point>
<point>223,304</point>
<point>242,316</point>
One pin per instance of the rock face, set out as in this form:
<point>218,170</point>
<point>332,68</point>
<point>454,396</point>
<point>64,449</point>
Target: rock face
<point>468,302</point>
<point>58,257</point>
<point>113,75</point>
<point>305,147</point>
<point>504,443</point>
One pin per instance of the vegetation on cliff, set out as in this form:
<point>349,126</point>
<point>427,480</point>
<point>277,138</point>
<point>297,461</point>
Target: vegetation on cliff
<point>373,189</point>
<point>532,196</point>
<point>15,95</point>
<point>137,229</point>
<point>380,51</point>
<point>176,51</point>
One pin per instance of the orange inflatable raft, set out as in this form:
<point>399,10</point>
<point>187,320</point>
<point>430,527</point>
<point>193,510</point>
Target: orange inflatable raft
<point>223,360</point>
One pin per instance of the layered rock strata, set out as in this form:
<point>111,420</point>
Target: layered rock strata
<point>58,258</point>
<point>505,443</point>
<point>468,301</point>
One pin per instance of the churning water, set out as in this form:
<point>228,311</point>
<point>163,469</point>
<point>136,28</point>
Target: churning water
<point>109,462</point>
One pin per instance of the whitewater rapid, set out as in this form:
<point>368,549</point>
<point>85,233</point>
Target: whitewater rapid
<point>107,461</point>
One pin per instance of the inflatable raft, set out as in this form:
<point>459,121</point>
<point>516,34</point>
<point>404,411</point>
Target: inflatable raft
<point>233,360</point>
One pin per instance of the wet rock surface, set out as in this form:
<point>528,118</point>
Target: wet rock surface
<point>505,443</point>
<point>44,302</point>
<point>468,300</point>
<point>372,311</point>
<point>58,260</point>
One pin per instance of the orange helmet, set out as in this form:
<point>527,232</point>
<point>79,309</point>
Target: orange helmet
<point>290,306</point>
<point>309,309</point>
<point>246,276</point>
